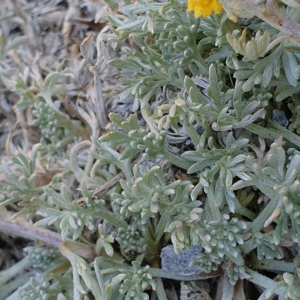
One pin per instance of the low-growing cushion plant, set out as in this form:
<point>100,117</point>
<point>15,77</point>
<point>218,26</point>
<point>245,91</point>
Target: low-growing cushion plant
<point>144,125</point>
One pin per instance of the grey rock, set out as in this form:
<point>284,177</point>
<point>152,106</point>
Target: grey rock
<point>280,118</point>
<point>179,264</point>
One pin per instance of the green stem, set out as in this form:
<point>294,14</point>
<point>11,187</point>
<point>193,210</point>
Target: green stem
<point>65,141</point>
<point>190,129</point>
<point>107,216</point>
<point>266,133</point>
<point>48,98</point>
<point>85,241</point>
<point>248,246</point>
<point>176,160</point>
<point>275,265</point>
<point>287,134</point>
<point>100,279</point>
<point>17,268</point>
<point>261,131</point>
<point>259,222</point>
<point>166,239</point>
<point>160,228</point>
<point>163,274</point>
<point>215,211</point>
<point>127,169</point>
<point>199,60</point>
<point>13,285</point>
<point>160,290</point>
<point>147,236</point>
<point>263,281</point>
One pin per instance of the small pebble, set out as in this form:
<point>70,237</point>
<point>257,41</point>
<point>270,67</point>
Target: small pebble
<point>179,264</point>
<point>280,118</point>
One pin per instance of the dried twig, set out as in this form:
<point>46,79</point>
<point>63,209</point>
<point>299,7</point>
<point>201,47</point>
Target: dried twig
<point>20,227</point>
<point>108,185</point>
<point>271,14</point>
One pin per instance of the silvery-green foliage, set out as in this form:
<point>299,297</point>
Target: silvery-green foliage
<point>136,139</point>
<point>278,170</point>
<point>290,285</point>
<point>144,196</point>
<point>130,240</point>
<point>104,241</point>
<point>265,246</point>
<point>228,108</point>
<point>130,281</point>
<point>220,241</point>
<point>251,50</point>
<point>84,278</point>
<point>148,194</point>
<point>178,45</point>
<point>220,166</point>
<point>232,86</point>
<point>43,257</point>
<point>52,123</point>
<point>235,272</point>
<point>212,106</point>
<point>49,150</point>
<point>45,118</point>
<point>140,279</point>
<point>40,289</point>
<point>19,182</point>
<point>72,219</point>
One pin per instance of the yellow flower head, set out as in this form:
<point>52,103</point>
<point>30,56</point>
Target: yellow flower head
<point>204,7</point>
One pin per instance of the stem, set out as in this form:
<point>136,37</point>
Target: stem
<point>215,211</point>
<point>159,231</point>
<point>160,290</point>
<point>263,132</point>
<point>99,102</point>
<point>147,236</point>
<point>259,222</point>
<point>292,139</point>
<point>90,161</point>
<point>199,60</point>
<point>271,14</point>
<point>127,169</point>
<point>176,160</point>
<point>166,239</point>
<point>20,227</point>
<point>85,241</point>
<point>13,285</point>
<point>17,268</point>
<point>290,136</point>
<point>99,278</point>
<point>108,185</point>
<point>163,274</point>
<point>273,265</point>
<point>263,281</point>
<point>153,295</point>
<point>107,216</point>
<point>248,246</point>
<point>190,129</point>
<point>78,172</point>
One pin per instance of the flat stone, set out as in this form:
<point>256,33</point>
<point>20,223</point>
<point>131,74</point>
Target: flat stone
<point>179,263</point>
<point>280,118</point>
